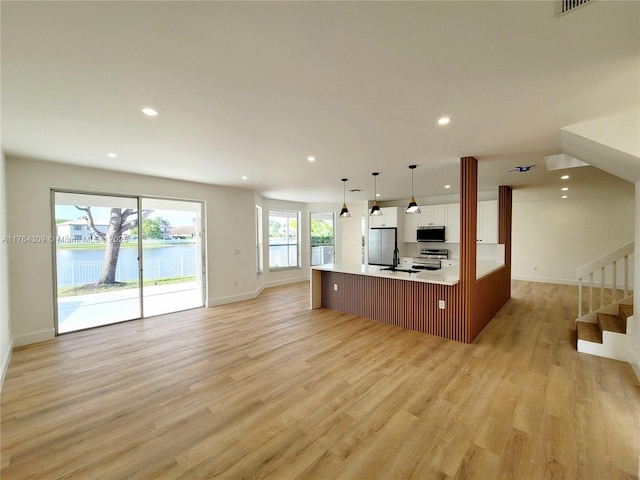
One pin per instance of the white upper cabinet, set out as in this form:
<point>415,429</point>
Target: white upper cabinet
<point>488,221</point>
<point>432,215</point>
<point>452,226</point>
<point>389,218</point>
<point>449,216</point>
<point>411,227</point>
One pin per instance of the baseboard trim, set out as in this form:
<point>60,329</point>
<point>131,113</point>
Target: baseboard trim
<point>36,337</point>
<point>561,281</point>
<point>278,283</point>
<point>233,299</point>
<point>557,281</point>
<point>249,296</point>
<point>634,361</point>
<point>5,364</point>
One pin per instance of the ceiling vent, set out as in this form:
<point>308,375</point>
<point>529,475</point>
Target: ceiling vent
<point>566,6</point>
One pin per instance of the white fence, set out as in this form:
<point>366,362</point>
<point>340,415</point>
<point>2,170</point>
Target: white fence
<point>71,274</point>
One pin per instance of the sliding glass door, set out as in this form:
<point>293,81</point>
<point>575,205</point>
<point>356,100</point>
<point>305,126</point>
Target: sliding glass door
<point>172,256</point>
<point>119,258</point>
<point>97,267</point>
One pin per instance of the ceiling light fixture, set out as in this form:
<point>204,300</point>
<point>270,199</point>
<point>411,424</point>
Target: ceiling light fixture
<point>244,177</point>
<point>447,186</point>
<point>112,155</point>
<point>375,209</point>
<point>444,121</point>
<point>564,189</point>
<point>564,177</point>
<point>311,159</point>
<point>564,196</point>
<point>344,213</point>
<point>413,206</point>
<point>149,112</point>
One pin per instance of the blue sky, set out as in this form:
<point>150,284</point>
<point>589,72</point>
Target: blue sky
<point>101,215</point>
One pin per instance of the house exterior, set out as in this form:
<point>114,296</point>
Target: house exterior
<point>78,231</point>
<point>184,232</point>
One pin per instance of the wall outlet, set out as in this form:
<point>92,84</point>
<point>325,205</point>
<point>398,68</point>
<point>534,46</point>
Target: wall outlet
<point>335,287</point>
<point>441,304</point>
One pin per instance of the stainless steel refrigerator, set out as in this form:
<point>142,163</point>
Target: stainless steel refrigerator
<point>383,246</point>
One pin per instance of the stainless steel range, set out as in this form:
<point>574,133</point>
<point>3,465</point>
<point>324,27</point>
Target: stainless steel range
<point>429,258</point>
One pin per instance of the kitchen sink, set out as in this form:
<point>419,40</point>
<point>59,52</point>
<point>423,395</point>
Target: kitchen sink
<point>407,270</point>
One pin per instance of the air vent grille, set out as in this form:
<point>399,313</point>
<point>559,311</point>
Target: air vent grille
<point>566,6</point>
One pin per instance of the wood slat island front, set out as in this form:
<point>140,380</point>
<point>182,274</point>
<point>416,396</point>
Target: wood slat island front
<point>408,300</point>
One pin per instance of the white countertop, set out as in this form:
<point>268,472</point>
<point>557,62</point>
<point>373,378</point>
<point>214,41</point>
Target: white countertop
<point>444,276</point>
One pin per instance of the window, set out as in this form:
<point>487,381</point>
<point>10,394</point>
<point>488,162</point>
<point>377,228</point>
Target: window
<point>322,238</point>
<point>284,239</point>
<point>259,241</point>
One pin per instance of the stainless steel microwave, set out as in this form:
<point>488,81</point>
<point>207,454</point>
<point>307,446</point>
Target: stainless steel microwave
<point>430,234</point>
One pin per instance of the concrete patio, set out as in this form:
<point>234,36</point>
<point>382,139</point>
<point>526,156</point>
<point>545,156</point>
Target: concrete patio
<point>96,309</point>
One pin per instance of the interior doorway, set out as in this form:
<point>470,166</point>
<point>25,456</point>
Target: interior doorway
<point>120,258</point>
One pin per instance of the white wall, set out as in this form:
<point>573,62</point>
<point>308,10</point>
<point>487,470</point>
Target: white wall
<point>230,235</point>
<point>351,234</point>
<point>634,355</point>
<point>552,238</point>
<point>6,340</point>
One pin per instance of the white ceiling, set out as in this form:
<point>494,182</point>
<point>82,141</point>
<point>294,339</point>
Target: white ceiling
<point>253,89</point>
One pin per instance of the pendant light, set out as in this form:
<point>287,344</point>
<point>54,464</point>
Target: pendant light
<point>413,206</point>
<point>375,209</point>
<point>344,213</point>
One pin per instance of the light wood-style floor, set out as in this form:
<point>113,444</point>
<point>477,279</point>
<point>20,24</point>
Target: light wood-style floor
<point>269,389</point>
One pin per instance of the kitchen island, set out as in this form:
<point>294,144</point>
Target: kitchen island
<point>426,301</point>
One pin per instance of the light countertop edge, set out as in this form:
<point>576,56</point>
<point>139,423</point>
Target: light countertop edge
<point>445,276</point>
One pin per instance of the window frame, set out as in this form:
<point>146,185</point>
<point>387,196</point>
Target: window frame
<point>333,236</point>
<point>289,214</point>
<point>259,242</point>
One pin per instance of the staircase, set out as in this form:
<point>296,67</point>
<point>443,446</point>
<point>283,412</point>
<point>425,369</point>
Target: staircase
<point>605,332</point>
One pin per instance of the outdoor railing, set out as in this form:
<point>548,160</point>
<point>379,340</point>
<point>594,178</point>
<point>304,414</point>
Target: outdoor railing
<point>71,274</point>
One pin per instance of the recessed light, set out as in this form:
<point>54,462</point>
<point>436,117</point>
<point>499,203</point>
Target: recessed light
<point>564,196</point>
<point>443,120</point>
<point>447,186</point>
<point>377,194</point>
<point>244,177</point>
<point>149,111</point>
<point>564,177</point>
<point>112,155</point>
<point>311,159</point>
<point>564,189</point>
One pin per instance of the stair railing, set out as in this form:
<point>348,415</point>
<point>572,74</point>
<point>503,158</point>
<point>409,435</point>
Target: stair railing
<point>601,264</point>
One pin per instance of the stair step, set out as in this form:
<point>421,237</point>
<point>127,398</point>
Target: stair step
<point>612,323</point>
<point>589,332</point>
<point>626,311</point>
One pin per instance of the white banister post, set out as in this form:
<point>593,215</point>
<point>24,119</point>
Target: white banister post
<point>579,297</point>
<point>614,287</point>
<point>626,276</point>
<point>591,292</point>
<point>602,276</point>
